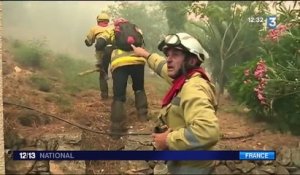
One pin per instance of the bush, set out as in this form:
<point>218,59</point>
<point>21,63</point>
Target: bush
<point>270,85</point>
<point>41,83</point>
<point>31,54</point>
<point>69,69</point>
<point>62,101</point>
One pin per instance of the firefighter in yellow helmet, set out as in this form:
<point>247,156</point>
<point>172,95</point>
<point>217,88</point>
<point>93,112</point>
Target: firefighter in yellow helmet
<point>101,36</point>
<point>189,108</point>
<point>123,65</point>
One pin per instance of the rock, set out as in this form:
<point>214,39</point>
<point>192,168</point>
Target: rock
<point>160,168</point>
<point>65,141</point>
<point>245,166</point>
<point>267,162</point>
<point>138,143</point>
<point>146,148</point>
<point>32,118</point>
<point>237,161</point>
<point>43,166</point>
<point>237,172</point>
<point>281,170</point>
<point>296,156</point>
<point>13,140</point>
<point>18,167</point>
<point>71,138</point>
<point>152,163</point>
<point>217,162</point>
<point>269,169</point>
<point>284,156</point>
<point>223,162</point>
<point>257,171</point>
<point>67,167</point>
<point>222,169</point>
<point>267,148</point>
<point>17,69</point>
<point>291,168</point>
<point>140,167</point>
<point>296,172</point>
<point>231,165</point>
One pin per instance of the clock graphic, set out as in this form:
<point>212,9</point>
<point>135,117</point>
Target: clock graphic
<point>256,19</point>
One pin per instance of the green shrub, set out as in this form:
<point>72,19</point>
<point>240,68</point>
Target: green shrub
<point>276,95</point>
<point>30,54</point>
<point>41,83</point>
<point>17,44</point>
<point>64,102</point>
<point>69,69</point>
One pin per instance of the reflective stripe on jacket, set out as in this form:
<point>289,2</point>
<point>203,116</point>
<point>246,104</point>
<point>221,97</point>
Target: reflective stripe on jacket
<point>123,58</point>
<point>191,115</point>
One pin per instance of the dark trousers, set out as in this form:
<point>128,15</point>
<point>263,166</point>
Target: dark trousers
<point>120,77</point>
<point>106,57</point>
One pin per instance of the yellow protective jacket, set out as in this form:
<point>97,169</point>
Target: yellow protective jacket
<point>191,115</point>
<point>124,58</point>
<point>98,31</point>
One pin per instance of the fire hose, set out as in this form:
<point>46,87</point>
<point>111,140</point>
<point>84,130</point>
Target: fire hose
<point>76,124</point>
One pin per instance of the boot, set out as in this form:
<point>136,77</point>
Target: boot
<point>103,87</point>
<point>141,105</point>
<point>118,116</point>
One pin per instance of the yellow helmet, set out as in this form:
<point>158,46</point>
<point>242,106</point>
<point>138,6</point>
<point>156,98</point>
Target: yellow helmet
<point>102,17</point>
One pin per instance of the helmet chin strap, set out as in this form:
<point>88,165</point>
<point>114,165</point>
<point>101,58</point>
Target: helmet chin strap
<point>185,67</point>
<point>182,71</point>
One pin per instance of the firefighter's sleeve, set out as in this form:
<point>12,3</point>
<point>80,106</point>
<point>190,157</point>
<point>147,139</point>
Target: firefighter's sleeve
<point>159,66</point>
<point>90,38</point>
<point>202,129</point>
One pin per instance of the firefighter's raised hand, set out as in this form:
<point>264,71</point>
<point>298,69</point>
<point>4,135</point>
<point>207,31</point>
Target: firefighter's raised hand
<point>139,51</point>
<point>160,139</point>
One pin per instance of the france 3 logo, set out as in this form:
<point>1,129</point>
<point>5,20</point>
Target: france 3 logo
<point>271,22</point>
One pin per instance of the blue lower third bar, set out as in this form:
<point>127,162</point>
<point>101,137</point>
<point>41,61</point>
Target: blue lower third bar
<point>144,155</point>
<point>257,155</point>
<point>126,155</point>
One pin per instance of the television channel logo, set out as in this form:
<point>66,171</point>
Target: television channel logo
<point>271,22</point>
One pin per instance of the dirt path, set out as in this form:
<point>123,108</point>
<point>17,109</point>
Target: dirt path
<point>245,133</point>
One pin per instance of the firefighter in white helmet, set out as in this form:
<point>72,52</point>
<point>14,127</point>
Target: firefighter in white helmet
<point>101,35</point>
<point>189,107</point>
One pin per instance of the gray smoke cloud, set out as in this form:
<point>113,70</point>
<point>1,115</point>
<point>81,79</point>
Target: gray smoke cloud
<point>63,25</point>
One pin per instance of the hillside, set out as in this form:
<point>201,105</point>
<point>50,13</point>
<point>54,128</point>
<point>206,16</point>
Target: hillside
<point>48,90</point>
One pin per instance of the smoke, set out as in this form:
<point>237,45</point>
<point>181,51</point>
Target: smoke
<point>64,25</point>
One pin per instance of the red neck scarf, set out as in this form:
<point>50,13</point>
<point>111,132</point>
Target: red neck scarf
<point>179,82</point>
<point>103,23</point>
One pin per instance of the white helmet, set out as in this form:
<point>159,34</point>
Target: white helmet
<point>186,42</point>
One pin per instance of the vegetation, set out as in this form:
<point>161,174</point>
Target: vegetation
<point>227,35</point>
<point>33,54</point>
<point>269,83</point>
<point>29,54</point>
<point>64,102</point>
<point>259,66</point>
<point>176,14</point>
<point>41,83</point>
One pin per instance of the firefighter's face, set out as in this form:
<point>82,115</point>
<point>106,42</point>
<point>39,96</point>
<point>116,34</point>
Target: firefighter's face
<point>175,61</point>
